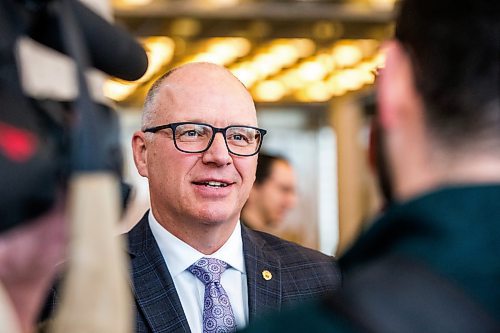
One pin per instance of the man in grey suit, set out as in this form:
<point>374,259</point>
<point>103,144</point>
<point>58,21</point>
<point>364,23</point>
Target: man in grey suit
<point>198,183</point>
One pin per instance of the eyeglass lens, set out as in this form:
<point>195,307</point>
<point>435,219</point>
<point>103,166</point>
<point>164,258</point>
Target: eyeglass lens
<point>197,137</point>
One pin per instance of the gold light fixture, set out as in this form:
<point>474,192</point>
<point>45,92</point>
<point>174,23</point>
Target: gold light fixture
<point>269,91</point>
<point>131,3</point>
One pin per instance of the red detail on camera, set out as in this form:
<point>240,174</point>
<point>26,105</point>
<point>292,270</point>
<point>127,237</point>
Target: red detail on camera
<point>18,145</point>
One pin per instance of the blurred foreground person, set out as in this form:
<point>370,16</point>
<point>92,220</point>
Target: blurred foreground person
<point>272,196</point>
<point>57,131</point>
<point>195,268</point>
<point>29,258</point>
<point>431,263</point>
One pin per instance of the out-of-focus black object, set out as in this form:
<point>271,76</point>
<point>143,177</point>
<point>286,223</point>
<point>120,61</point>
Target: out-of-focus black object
<point>43,141</point>
<point>110,48</point>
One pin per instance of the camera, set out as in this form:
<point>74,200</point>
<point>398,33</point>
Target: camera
<point>44,140</point>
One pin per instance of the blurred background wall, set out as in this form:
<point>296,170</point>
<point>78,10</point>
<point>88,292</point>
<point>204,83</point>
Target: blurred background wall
<point>310,66</point>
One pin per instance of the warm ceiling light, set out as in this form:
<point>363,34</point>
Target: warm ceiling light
<point>369,69</point>
<point>287,54</point>
<point>326,60</point>
<point>335,87</point>
<point>160,51</point>
<point>227,50</point>
<point>350,79</point>
<point>382,4</point>
<point>367,66</point>
<point>337,91</point>
<point>266,64</point>
<point>269,91</point>
<point>311,71</point>
<point>241,45</point>
<point>304,46</point>
<point>291,79</point>
<point>245,74</point>
<point>219,46</point>
<point>318,92</point>
<point>117,90</point>
<point>379,59</point>
<point>131,2</point>
<point>347,54</point>
<point>218,3</point>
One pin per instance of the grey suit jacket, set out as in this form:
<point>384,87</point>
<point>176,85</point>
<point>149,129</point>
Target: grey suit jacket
<point>298,274</point>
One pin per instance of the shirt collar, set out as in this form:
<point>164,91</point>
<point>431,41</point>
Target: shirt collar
<point>178,255</point>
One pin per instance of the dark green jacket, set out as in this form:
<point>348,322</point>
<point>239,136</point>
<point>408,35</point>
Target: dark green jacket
<point>428,265</point>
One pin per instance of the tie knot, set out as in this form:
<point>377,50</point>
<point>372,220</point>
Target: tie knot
<point>208,270</point>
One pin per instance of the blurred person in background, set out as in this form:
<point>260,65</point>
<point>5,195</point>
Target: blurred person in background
<point>195,268</point>
<point>430,263</point>
<point>272,196</point>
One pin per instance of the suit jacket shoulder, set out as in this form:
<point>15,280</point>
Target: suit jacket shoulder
<point>158,307</point>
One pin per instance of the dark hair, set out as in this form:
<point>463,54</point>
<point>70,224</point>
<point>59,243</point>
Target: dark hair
<point>454,47</point>
<point>265,163</point>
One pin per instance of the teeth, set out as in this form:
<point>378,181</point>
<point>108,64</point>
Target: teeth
<point>216,184</point>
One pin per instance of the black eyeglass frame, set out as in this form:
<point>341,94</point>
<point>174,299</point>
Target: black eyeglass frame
<point>215,130</point>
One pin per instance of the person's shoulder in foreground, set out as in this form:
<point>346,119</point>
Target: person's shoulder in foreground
<point>419,269</point>
<point>430,263</point>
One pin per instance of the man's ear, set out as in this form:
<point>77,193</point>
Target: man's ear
<point>139,149</point>
<point>396,91</point>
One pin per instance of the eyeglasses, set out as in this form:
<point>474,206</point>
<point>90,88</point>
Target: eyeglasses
<point>198,137</point>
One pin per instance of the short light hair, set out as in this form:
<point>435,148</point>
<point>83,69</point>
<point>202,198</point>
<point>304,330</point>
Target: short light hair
<point>149,110</point>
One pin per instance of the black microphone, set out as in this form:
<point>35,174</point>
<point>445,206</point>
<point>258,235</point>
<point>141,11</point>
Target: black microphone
<point>111,48</point>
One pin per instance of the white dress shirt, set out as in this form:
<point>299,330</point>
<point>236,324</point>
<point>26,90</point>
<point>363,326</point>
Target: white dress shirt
<point>179,256</point>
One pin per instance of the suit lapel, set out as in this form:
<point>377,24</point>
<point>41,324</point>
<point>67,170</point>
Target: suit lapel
<point>154,289</point>
<point>263,275</point>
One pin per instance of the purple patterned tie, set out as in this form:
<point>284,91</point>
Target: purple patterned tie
<point>218,316</point>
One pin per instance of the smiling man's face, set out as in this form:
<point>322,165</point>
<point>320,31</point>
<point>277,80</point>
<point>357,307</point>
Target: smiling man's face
<point>209,187</point>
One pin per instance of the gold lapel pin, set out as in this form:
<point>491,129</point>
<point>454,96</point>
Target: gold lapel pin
<point>267,275</point>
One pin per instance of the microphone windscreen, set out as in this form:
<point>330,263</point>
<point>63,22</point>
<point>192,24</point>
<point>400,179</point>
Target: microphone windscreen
<point>111,48</point>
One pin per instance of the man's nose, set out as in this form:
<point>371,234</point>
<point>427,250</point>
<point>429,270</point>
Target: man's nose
<point>217,153</point>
